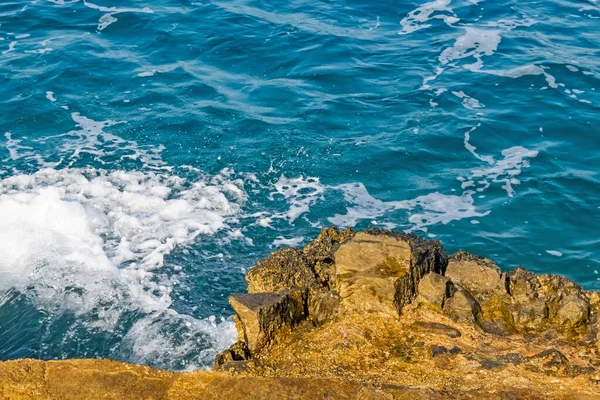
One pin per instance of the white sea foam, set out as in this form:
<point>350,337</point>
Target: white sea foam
<point>505,170</point>
<point>92,242</point>
<point>440,208</point>
<point>472,149</point>
<point>50,96</point>
<point>423,211</point>
<point>555,253</point>
<point>480,42</point>
<point>475,43</point>
<point>468,102</point>
<point>11,47</point>
<point>109,18</point>
<point>301,193</point>
<point>89,138</point>
<point>288,242</point>
<point>147,73</point>
<point>63,2</point>
<point>420,17</point>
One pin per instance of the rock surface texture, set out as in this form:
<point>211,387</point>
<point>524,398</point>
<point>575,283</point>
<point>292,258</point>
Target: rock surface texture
<point>370,315</point>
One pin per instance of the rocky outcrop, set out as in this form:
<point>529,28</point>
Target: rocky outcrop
<point>369,315</point>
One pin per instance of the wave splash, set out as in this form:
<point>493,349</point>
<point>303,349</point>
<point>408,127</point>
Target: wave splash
<point>86,247</point>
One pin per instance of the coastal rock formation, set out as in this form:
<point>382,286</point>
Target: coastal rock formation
<point>371,315</point>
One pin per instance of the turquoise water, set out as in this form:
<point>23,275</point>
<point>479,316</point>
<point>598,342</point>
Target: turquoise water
<point>152,151</point>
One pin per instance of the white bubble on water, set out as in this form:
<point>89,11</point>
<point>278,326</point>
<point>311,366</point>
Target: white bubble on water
<point>468,102</point>
<point>420,17</point>
<point>288,242</point>
<point>109,18</point>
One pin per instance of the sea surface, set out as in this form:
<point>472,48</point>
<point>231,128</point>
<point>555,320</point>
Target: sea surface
<point>151,151</point>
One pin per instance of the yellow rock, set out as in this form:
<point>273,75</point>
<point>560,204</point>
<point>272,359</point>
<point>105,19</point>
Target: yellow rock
<point>294,344</point>
<point>368,270</point>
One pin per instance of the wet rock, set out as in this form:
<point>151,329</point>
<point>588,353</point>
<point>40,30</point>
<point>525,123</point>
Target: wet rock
<point>378,271</point>
<point>462,306</point>
<point>282,270</point>
<point>237,352</point>
<point>434,290</point>
<point>262,315</point>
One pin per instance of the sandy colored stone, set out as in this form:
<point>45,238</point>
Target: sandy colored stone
<point>572,312</point>
<point>320,252</point>
<point>535,337</point>
<point>462,306</point>
<point>476,274</point>
<point>261,315</point>
<point>282,270</point>
<point>368,270</point>
<point>434,290</point>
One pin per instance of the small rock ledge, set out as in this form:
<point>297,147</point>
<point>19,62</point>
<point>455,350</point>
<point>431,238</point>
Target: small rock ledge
<point>385,307</point>
<point>371,315</point>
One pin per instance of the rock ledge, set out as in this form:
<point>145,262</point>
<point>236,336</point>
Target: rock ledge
<point>374,314</point>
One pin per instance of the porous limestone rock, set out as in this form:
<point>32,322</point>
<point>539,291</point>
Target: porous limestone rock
<point>542,301</point>
<point>573,311</point>
<point>340,320</point>
<point>378,271</point>
<point>483,280</point>
<point>478,275</point>
<point>282,270</point>
<point>462,306</point>
<point>369,271</point>
<point>261,315</point>
<point>323,306</point>
<point>239,351</point>
<point>434,290</point>
<point>320,252</point>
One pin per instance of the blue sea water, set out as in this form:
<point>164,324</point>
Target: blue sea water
<point>152,150</point>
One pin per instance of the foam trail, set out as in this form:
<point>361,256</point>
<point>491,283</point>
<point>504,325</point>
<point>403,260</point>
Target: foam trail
<point>475,43</point>
<point>418,18</point>
<point>109,18</point>
<point>288,242</point>
<point>423,211</point>
<point>468,102</point>
<point>480,42</point>
<point>301,193</point>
